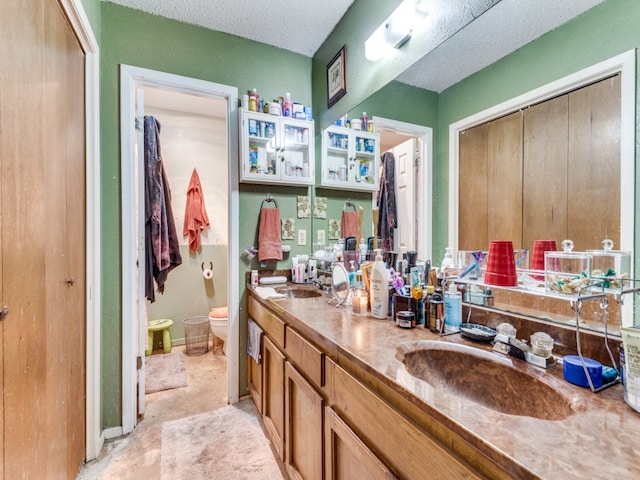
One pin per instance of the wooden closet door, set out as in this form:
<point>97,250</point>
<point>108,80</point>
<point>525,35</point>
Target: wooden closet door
<point>593,204</point>
<point>544,202</point>
<point>473,189</point>
<point>43,242</point>
<point>504,179</point>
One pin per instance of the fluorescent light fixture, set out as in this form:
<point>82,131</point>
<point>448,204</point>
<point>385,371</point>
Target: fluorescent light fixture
<point>396,30</point>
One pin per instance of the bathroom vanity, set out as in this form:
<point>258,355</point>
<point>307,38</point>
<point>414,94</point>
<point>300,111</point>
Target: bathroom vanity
<point>349,396</point>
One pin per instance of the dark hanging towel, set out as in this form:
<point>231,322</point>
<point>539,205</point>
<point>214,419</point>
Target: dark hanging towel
<point>161,237</point>
<point>387,222</point>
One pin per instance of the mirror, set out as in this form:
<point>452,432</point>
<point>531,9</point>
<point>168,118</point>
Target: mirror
<point>485,90</point>
<point>495,193</point>
<point>340,285</point>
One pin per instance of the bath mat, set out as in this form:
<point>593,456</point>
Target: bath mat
<point>164,371</point>
<point>227,443</point>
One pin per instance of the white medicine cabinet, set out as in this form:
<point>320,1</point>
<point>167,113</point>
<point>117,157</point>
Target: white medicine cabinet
<point>276,150</point>
<point>350,159</point>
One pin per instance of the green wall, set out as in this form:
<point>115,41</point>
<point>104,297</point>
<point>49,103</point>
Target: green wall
<point>601,33</point>
<point>131,37</point>
<point>135,38</point>
<point>92,9</point>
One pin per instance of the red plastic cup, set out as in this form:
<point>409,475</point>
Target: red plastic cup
<point>501,267</point>
<point>539,247</point>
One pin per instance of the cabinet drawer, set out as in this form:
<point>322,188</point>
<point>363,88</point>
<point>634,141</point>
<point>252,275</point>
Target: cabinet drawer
<point>268,322</point>
<point>307,358</point>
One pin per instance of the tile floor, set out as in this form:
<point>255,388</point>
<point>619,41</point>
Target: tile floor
<point>137,455</point>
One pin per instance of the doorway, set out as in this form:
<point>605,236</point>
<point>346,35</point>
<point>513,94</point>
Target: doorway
<point>412,146</point>
<point>145,91</point>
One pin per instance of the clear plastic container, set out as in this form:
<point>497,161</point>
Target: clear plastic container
<point>612,266</point>
<point>566,272</point>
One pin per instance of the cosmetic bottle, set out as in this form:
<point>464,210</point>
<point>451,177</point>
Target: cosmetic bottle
<point>379,288</point>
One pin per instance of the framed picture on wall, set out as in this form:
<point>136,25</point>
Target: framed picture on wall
<point>337,77</point>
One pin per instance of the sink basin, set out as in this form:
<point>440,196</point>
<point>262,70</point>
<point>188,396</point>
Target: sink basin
<point>486,378</point>
<point>299,292</point>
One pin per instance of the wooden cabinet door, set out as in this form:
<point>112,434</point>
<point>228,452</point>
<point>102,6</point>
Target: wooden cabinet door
<point>254,381</point>
<point>303,418</point>
<point>273,394</point>
<point>346,457</point>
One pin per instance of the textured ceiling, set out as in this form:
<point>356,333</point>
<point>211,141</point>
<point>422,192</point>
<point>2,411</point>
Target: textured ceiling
<point>507,26</point>
<point>299,26</point>
<point>302,26</point>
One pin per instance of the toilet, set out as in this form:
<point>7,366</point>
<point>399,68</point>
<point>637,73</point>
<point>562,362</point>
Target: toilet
<point>218,318</point>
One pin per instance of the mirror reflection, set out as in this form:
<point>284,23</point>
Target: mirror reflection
<point>523,175</point>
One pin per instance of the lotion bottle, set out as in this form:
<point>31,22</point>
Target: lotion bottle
<point>379,289</point>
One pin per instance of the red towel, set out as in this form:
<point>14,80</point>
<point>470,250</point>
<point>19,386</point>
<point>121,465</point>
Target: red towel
<point>350,225</point>
<point>269,244</point>
<point>195,215</point>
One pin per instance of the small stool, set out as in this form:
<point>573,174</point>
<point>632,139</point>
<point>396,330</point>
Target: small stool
<point>162,324</point>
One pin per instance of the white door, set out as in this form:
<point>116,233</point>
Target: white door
<point>406,201</point>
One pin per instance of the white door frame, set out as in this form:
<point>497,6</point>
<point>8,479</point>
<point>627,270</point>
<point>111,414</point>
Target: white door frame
<point>131,78</point>
<point>425,190</point>
<point>77,17</point>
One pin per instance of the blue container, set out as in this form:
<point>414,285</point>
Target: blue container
<point>573,371</point>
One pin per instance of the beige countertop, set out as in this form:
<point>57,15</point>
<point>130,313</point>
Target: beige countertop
<point>600,439</point>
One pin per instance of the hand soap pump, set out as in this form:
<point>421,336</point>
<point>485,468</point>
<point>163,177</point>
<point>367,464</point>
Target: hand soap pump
<point>447,262</point>
<point>379,287</point>
<point>352,274</point>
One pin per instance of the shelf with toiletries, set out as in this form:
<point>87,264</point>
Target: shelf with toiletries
<point>276,150</point>
<point>350,159</point>
<point>593,292</point>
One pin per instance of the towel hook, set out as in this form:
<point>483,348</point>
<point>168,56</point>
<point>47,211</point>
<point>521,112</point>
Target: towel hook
<point>349,203</point>
<point>268,199</point>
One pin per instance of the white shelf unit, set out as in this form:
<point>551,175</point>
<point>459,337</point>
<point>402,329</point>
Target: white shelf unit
<point>350,159</point>
<point>276,150</point>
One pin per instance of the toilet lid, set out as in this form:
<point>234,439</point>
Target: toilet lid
<point>219,312</point>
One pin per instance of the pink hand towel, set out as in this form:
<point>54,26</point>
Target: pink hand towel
<point>269,244</point>
<point>350,225</point>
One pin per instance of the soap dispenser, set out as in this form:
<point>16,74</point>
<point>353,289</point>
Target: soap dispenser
<point>352,274</point>
<point>379,289</point>
<point>447,262</point>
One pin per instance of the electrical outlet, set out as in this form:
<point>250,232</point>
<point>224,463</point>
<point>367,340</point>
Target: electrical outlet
<point>302,237</point>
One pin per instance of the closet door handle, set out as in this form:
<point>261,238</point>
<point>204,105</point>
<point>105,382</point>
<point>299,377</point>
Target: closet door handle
<point>70,281</point>
<point>5,312</point>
